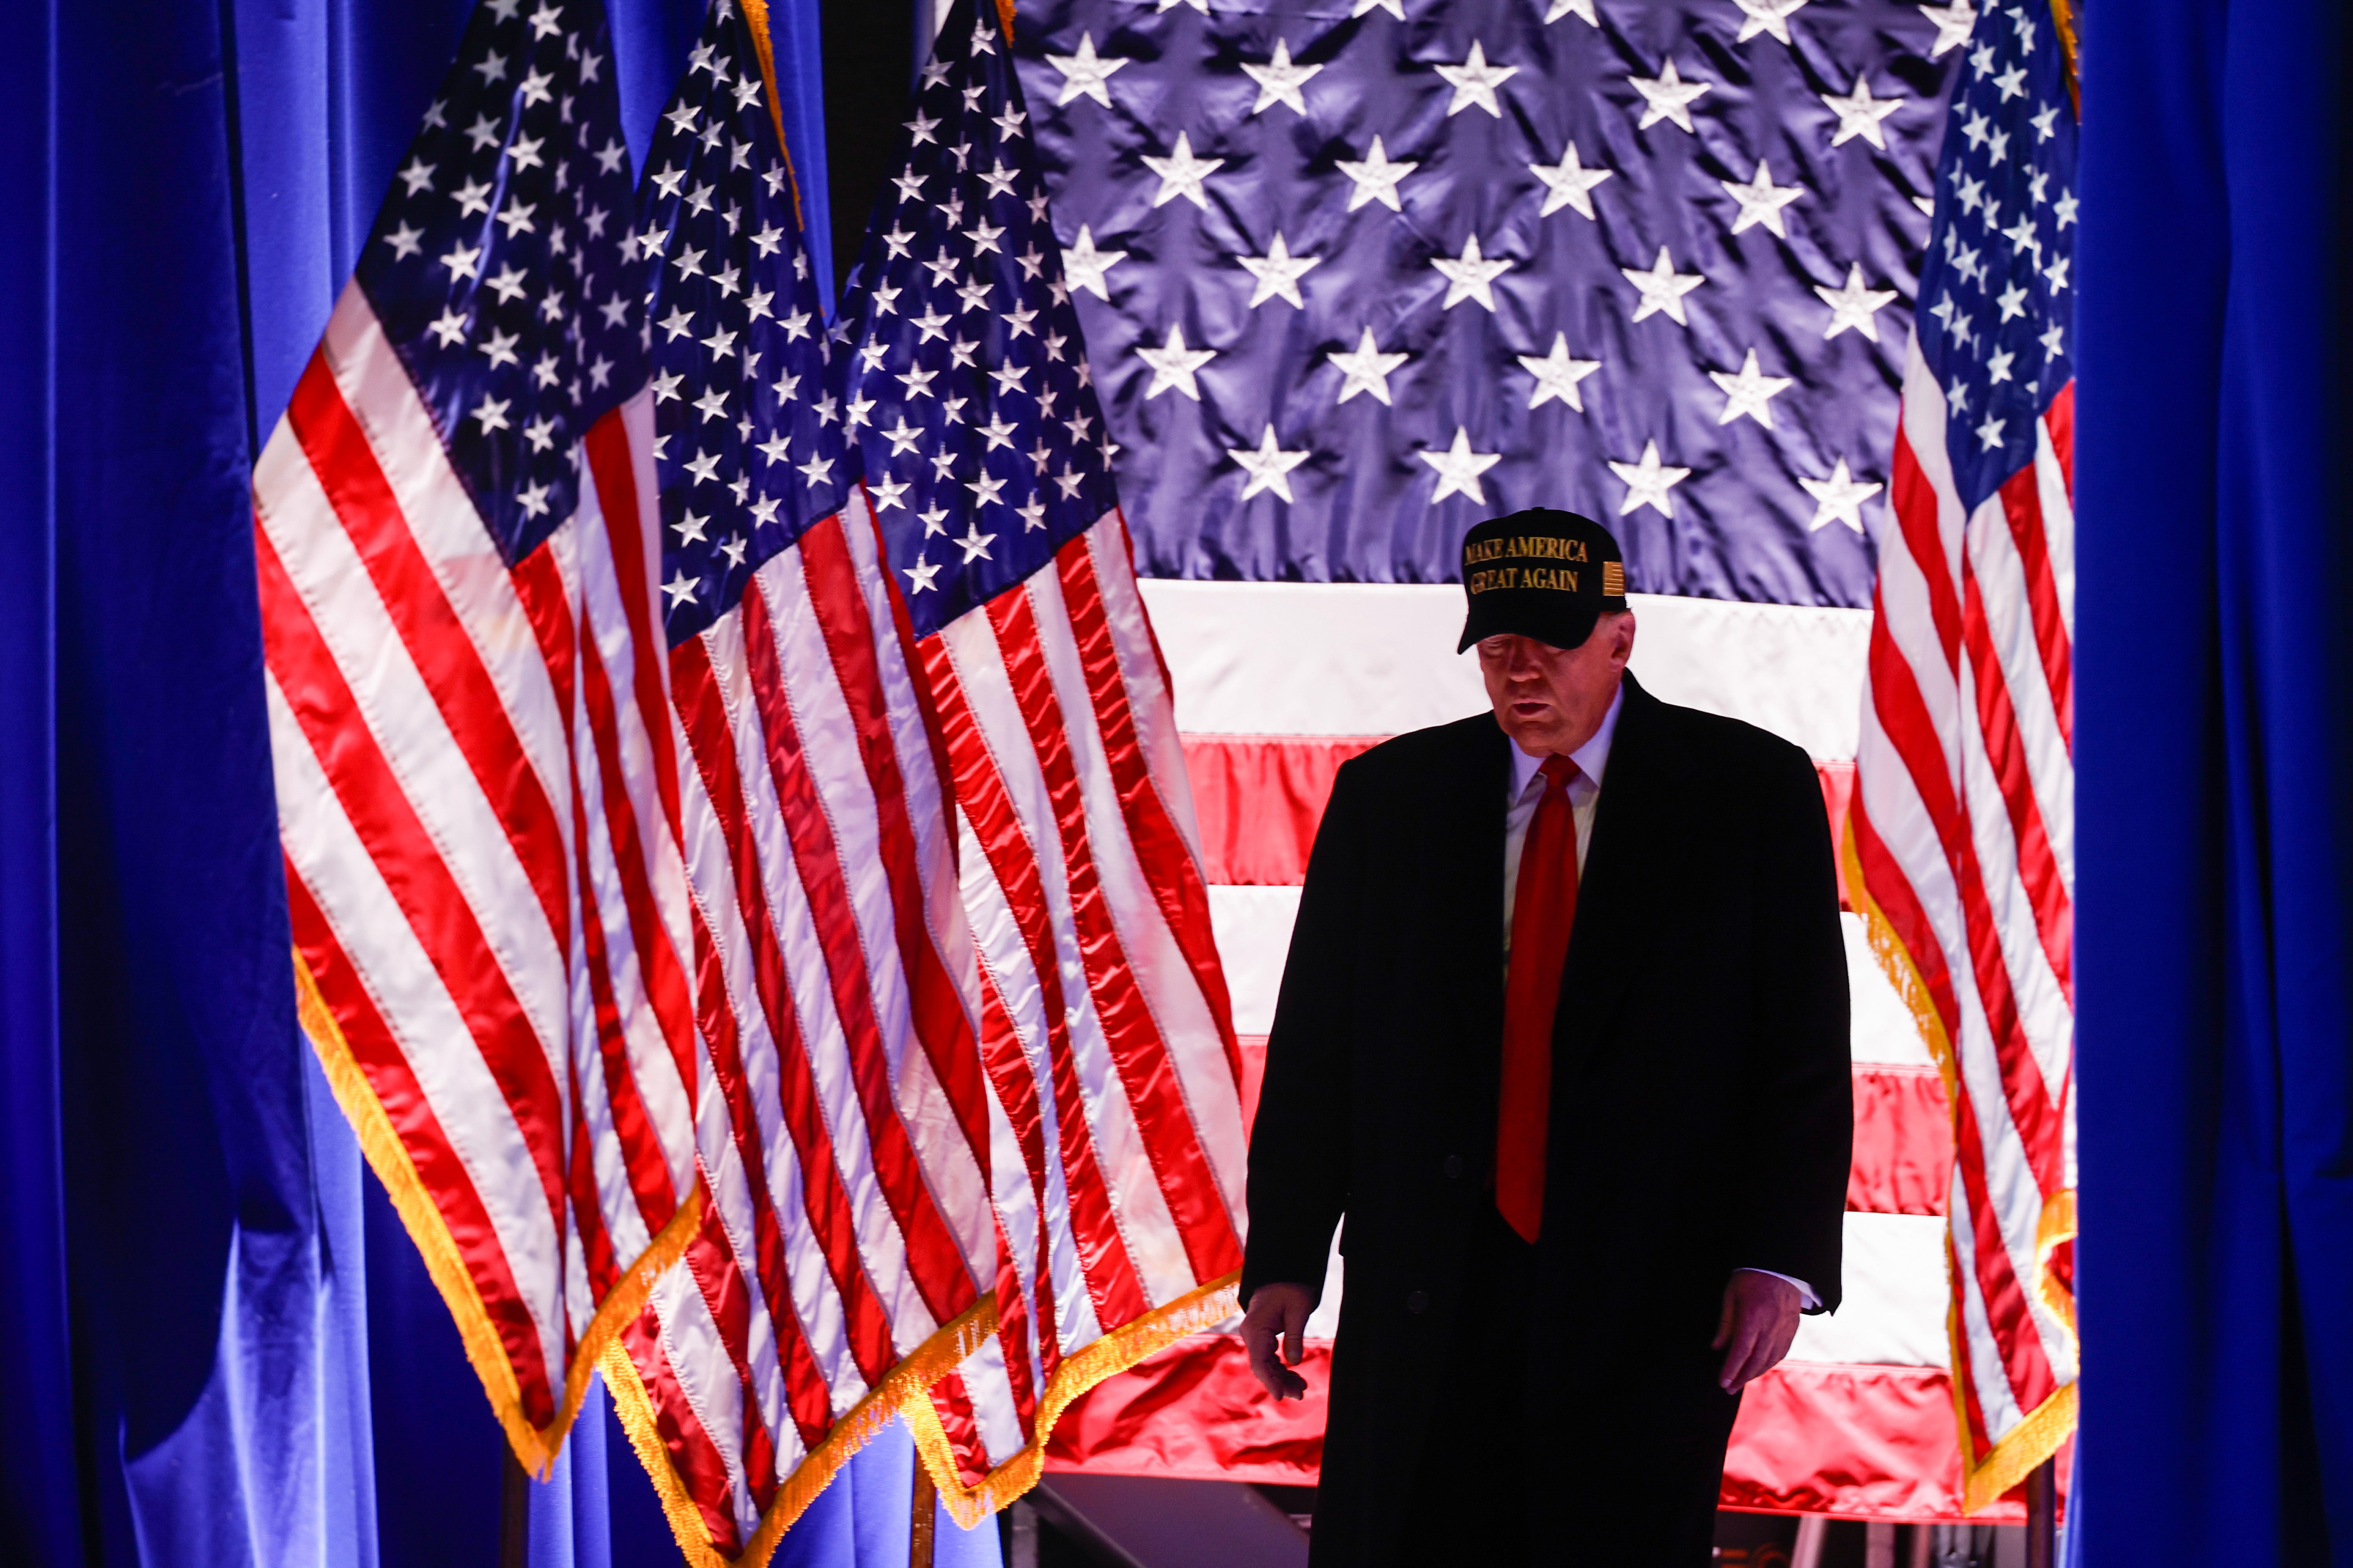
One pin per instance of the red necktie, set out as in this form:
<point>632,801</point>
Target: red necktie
<point>1544,907</point>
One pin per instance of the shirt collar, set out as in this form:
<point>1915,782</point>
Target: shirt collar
<point>1591,758</point>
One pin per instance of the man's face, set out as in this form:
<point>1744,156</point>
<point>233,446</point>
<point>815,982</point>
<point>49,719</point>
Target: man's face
<point>1550,701</point>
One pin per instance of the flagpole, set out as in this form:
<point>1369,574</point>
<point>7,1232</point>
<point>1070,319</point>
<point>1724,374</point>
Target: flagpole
<point>2043,1515</point>
<point>514,1510</point>
<point>923,1519</point>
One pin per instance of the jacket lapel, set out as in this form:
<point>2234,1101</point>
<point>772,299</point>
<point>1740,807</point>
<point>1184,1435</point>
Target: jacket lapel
<point>1471,804</point>
<point>1613,894</point>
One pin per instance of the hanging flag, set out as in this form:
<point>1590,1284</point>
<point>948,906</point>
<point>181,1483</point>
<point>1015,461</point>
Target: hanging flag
<point>1355,280</point>
<point>851,1246</point>
<point>1104,1020</point>
<point>843,1262</point>
<point>1965,811</point>
<point>469,719</point>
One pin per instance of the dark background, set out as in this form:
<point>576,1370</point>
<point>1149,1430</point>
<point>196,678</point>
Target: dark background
<point>871,61</point>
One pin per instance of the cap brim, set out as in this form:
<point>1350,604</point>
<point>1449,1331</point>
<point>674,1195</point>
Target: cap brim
<point>1565,632</point>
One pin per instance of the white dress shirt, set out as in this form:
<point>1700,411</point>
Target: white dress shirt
<point>1584,795</point>
<point>1527,789</point>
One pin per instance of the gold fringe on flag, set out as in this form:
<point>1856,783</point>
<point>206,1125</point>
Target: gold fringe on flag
<point>755,15</point>
<point>2062,17</point>
<point>534,1447</point>
<point>904,1384</point>
<point>1204,1308</point>
<point>905,1392</point>
<point>1984,1477</point>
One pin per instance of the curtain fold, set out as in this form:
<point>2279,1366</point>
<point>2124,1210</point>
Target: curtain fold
<point>2216,788</point>
<point>39,1513</point>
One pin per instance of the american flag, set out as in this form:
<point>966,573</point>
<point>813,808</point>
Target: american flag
<point>455,526</point>
<point>1965,813</point>
<point>1358,275</point>
<point>1104,1019</point>
<point>843,1262</point>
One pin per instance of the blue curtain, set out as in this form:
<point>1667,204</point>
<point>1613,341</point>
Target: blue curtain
<point>217,1348</point>
<point>39,1516</point>
<point>2215,789</point>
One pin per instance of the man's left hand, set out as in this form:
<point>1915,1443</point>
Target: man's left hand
<point>1758,1322</point>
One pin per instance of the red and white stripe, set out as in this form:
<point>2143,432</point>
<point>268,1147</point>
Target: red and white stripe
<point>1104,1020</point>
<point>846,1125</point>
<point>482,858</point>
<point>1276,684</point>
<point>1963,826</point>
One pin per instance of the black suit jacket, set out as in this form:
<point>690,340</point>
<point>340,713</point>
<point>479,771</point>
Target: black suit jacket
<point>1701,1116</point>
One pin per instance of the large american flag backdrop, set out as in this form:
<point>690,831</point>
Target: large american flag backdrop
<point>1354,276</point>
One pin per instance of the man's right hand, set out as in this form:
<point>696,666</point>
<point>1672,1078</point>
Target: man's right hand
<point>1277,1318</point>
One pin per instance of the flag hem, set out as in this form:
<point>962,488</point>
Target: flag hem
<point>1114,1353</point>
<point>2037,1434</point>
<point>537,1447</point>
<point>943,1352</point>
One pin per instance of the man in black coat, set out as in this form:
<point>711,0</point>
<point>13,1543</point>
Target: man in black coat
<point>1582,1214</point>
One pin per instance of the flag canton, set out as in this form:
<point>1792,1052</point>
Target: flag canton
<point>1999,297</point>
<point>1361,275</point>
<point>748,439</point>
<point>500,265</point>
<point>965,377</point>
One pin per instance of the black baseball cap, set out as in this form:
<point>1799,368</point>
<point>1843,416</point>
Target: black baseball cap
<point>1545,574</point>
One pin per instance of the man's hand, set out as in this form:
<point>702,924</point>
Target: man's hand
<point>1759,1320</point>
<point>1278,1312</point>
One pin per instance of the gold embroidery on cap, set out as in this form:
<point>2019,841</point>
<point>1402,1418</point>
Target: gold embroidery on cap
<point>1559,579</point>
<point>1536,547</point>
<point>1613,579</point>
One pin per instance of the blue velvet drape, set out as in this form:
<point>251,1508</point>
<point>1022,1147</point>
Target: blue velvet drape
<point>2215,786</point>
<point>216,1346</point>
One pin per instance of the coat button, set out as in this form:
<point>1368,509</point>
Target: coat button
<point>1453,1167</point>
<point>1418,1302</point>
